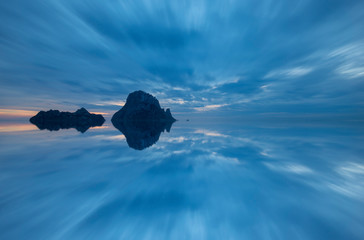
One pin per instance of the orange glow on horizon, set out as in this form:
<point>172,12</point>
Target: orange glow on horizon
<point>17,127</point>
<point>16,113</point>
<point>22,127</point>
<point>100,127</point>
<point>28,113</point>
<point>102,113</point>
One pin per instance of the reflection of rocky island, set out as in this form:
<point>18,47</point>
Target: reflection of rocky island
<point>142,134</point>
<point>54,120</point>
<point>142,120</point>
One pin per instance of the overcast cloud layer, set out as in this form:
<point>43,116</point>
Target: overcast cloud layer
<point>194,56</point>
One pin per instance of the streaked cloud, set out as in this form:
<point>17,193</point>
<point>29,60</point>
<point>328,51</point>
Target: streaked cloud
<point>351,170</point>
<point>349,181</point>
<point>194,56</point>
<point>351,60</point>
<point>351,71</point>
<point>210,133</point>
<point>289,168</point>
<point>173,101</point>
<point>110,103</point>
<point>209,107</point>
<point>289,73</point>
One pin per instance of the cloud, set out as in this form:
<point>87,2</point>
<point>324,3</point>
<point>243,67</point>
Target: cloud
<point>209,133</point>
<point>173,101</point>
<point>110,103</point>
<point>289,73</point>
<point>351,71</point>
<point>350,180</point>
<point>351,60</point>
<point>195,56</point>
<point>290,168</point>
<point>209,107</point>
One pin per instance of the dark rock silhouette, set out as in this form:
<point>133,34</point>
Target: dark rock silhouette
<point>53,120</point>
<point>142,120</point>
<point>142,106</point>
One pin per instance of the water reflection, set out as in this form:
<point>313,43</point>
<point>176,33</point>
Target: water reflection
<point>200,181</point>
<point>82,128</point>
<point>142,134</point>
<point>139,134</point>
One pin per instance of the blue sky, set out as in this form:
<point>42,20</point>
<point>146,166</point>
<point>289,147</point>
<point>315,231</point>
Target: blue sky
<point>196,56</point>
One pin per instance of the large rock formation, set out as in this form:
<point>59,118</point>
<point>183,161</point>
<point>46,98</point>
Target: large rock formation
<point>141,106</point>
<point>142,120</point>
<point>54,120</point>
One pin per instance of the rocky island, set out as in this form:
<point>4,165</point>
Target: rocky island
<point>141,106</point>
<point>142,120</point>
<point>54,120</point>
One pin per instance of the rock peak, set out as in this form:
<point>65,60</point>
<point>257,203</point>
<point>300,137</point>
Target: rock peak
<point>82,111</point>
<point>142,106</point>
<point>141,97</point>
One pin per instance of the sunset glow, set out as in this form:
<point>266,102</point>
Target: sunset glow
<point>16,113</point>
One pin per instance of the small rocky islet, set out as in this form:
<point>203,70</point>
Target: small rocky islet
<point>55,120</point>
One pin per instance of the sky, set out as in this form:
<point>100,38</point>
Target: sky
<point>197,57</point>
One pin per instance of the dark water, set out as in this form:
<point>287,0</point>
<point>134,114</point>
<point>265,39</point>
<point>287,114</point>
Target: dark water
<point>199,181</point>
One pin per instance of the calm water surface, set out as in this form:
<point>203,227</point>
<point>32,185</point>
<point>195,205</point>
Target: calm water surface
<point>199,181</point>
